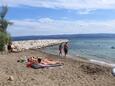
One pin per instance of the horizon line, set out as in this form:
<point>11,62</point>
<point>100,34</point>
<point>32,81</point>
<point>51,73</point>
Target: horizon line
<point>68,34</point>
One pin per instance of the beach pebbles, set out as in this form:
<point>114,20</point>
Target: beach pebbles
<point>11,78</point>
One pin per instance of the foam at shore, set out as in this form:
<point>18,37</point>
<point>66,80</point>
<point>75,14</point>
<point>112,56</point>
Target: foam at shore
<point>33,44</point>
<point>102,62</point>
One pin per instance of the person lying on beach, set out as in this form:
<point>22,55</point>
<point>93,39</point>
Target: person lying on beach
<point>49,61</point>
<point>45,61</point>
<point>32,59</point>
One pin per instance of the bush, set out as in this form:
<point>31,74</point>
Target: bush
<point>4,39</point>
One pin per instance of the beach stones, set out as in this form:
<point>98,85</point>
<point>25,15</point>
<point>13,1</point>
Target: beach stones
<point>33,44</point>
<point>91,69</point>
<point>11,78</point>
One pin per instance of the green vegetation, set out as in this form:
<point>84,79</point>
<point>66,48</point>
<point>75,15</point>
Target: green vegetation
<point>5,38</point>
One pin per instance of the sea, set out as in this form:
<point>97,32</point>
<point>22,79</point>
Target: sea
<point>98,48</point>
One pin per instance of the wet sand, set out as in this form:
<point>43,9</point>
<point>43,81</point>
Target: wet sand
<point>73,73</point>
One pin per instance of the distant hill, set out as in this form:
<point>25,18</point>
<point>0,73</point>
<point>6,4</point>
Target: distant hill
<point>72,36</point>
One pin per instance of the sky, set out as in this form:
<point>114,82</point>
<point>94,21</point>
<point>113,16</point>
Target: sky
<point>52,17</point>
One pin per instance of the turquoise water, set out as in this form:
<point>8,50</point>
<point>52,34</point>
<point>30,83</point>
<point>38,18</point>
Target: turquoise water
<point>96,49</point>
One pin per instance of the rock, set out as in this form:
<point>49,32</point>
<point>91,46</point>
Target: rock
<point>11,78</point>
<point>113,71</point>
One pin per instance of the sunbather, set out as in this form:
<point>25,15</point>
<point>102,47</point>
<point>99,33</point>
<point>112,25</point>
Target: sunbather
<point>45,61</point>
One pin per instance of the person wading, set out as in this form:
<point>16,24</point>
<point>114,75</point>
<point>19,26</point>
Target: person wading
<point>60,49</point>
<point>65,49</point>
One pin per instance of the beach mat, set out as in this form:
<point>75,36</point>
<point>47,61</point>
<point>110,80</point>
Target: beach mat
<point>38,66</point>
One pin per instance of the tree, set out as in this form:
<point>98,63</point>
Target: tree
<point>5,38</point>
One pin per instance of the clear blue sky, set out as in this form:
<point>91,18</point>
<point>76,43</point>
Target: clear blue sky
<point>50,17</point>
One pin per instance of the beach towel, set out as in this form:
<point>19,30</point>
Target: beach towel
<point>37,66</point>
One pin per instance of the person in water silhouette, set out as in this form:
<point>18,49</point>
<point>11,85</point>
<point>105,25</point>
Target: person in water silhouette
<point>65,49</point>
<point>60,49</point>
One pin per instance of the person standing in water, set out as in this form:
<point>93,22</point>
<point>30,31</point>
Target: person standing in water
<point>60,49</point>
<point>65,49</point>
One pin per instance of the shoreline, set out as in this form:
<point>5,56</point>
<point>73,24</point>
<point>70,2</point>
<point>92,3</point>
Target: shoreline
<point>94,61</point>
<point>78,58</point>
